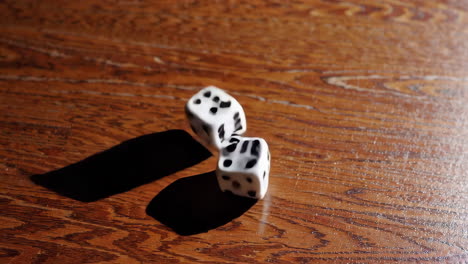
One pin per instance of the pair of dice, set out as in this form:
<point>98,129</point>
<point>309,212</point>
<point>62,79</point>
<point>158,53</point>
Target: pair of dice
<point>244,162</point>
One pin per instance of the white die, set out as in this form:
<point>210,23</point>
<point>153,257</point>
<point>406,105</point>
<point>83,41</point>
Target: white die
<point>244,167</point>
<point>215,116</point>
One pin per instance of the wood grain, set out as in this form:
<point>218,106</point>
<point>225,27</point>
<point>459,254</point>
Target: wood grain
<point>364,105</point>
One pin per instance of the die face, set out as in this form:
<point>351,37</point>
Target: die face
<point>244,154</point>
<point>247,157</point>
<point>213,108</point>
<point>242,184</point>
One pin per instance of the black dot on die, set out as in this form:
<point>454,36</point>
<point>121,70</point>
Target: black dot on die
<point>255,148</point>
<point>227,163</point>
<point>213,110</point>
<point>216,99</point>
<point>231,147</point>
<point>207,94</point>
<point>221,132</point>
<point>197,101</point>
<point>249,179</point>
<point>264,174</point>
<point>251,163</point>
<point>245,144</point>
<point>225,177</point>
<point>236,185</point>
<point>252,193</point>
<point>225,104</point>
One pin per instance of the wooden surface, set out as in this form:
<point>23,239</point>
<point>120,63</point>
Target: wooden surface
<point>364,105</point>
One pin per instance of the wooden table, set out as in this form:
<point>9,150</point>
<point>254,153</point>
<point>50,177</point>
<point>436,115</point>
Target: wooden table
<point>364,105</point>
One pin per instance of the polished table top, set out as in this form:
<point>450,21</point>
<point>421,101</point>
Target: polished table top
<point>364,105</point>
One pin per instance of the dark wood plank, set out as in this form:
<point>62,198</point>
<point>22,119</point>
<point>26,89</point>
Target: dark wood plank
<point>364,105</point>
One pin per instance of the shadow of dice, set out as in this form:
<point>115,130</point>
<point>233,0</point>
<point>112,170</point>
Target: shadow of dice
<point>121,168</point>
<point>195,204</point>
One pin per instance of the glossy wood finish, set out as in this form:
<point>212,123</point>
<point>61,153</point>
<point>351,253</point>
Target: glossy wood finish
<point>364,105</point>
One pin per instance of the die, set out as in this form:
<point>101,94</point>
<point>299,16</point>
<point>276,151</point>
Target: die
<point>214,116</point>
<point>244,167</point>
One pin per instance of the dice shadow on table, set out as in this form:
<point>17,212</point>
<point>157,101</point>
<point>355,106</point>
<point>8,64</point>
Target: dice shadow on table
<point>121,168</point>
<point>195,204</point>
